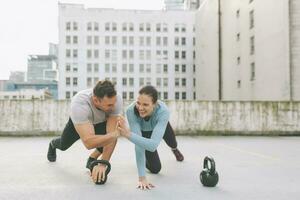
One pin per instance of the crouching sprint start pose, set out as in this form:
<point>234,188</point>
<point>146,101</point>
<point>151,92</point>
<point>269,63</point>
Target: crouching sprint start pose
<point>93,119</point>
<point>149,123</point>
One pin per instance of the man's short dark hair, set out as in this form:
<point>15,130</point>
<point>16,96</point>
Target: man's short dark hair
<point>150,91</point>
<point>104,88</point>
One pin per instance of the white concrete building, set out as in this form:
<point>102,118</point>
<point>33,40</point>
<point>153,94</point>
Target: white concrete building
<point>26,94</point>
<point>130,47</point>
<point>255,56</point>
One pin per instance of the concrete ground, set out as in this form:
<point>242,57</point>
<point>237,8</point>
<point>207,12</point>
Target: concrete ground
<point>249,168</point>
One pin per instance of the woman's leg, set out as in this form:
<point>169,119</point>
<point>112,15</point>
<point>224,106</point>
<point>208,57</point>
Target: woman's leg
<point>170,139</point>
<point>153,163</point>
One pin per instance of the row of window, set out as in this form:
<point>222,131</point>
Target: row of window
<point>130,95</point>
<point>128,40</point>
<point>128,54</point>
<point>252,75</point>
<point>108,68</point>
<point>179,82</point>
<point>113,26</point>
<point>251,17</point>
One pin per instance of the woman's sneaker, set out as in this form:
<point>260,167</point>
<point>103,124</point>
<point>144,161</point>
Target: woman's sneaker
<point>178,154</point>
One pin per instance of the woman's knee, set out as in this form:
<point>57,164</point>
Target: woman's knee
<point>155,169</point>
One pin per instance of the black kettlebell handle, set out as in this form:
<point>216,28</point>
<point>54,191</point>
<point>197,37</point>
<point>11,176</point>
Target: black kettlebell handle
<point>105,162</point>
<point>212,169</point>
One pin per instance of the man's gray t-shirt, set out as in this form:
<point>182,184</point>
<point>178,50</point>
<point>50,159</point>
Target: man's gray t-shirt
<point>84,111</point>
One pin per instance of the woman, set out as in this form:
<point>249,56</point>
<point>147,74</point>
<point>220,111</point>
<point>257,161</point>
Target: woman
<point>149,123</point>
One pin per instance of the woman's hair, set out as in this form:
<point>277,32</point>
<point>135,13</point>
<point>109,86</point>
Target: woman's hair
<point>104,88</point>
<point>150,91</point>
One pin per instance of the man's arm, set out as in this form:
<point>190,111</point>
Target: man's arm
<point>90,140</point>
<point>110,127</point>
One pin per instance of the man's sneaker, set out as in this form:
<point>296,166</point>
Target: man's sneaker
<point>89,161</point>
<point>51,155</point>
<point>178,154</point>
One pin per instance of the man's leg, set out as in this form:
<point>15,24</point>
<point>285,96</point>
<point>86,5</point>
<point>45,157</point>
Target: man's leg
<point>68,137</point>
<point>170,139</point>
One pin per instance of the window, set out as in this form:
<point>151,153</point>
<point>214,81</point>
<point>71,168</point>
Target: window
<point>238,13</point>
<point>124,40</point>
<point>165,68</point>
<point>142,81</point>
<point>89,26</point>
<point>142,69</point>
<point>131,40</point>
<point>183,94</point>
<point>124,68</point>
<point>165,95</point>
<point>107,26</point>
<point>165,82</point>
<point>176,54</point>
<point>176,68</point>
<point>107,54</point>
<point>131,54</point>
<point>75,53</point>
<point>183,29</point>
<point>96,26</point>
<point>194,54</point>
<point>252,71</point>
<point>158,27</point>
<point>165,41</point>
<point>158,68</point>
<point>238,35</point>
<point>131,81</point>
<point>114,67</point>
<point>124,81</point>
<point>158,82</point>
<point>68,39</point>
<point>107,40</point>
<point>68,26</point>
<point>96,53</point>
<point>176,95</point>
<point>194,82</point>
<point>194,41</point>
<point>89,81</point>
<point>158,41</point>
<point>75,81</point>
<point>177,82</point>
<point>148,68</point>
<point>68,53</point>
<point>114,40</point>
<point>252,45</point>
<point>148,27</point>
<point>183,54</point>
<point>89,67</point>
<point>89,53</point>
<point>194,68</point>
<point>238,60</point>
<point>131,27</point>
<point>141,28</point>
<point>131,95</point>
<point>124,95</point>
<point>165,27</point>
<point>75,39</point>
<point>176,41</point>
<point>251,19</point>
<point>68,67</point>
<point>114,26</point>
<point>141,41</point>
<point>183,82</point>
<point>75,67</point>
<point>148,41</point>
<point>96,67</point>
<point>124,54</point>
<point>194,95</point>
<point>75,26</point>
<point>96,39</point>
<point>239,83</point>
<point>74,93</point>
<point>107,68</point>
<point>68,95</point>
<point>124,27</point>
<point>183,41</point>
<point>68,81</point>
<point>131,68</point>
<point>183,68</point>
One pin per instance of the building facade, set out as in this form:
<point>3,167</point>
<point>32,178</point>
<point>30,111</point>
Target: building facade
<point>132,48</point>
<point>249,52</point>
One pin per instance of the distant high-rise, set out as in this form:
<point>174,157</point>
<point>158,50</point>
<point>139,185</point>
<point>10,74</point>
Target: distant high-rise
<point>17,76</point>
<point>174,4</point>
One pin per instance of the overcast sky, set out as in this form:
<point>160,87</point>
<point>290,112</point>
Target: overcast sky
<point>27,26</point>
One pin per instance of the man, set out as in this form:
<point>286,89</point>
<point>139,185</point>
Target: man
<point>93,119</point>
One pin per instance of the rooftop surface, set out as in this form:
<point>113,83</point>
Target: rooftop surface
<point>248,167</point>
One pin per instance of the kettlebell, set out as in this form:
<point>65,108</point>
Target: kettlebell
<point>209,176</point>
